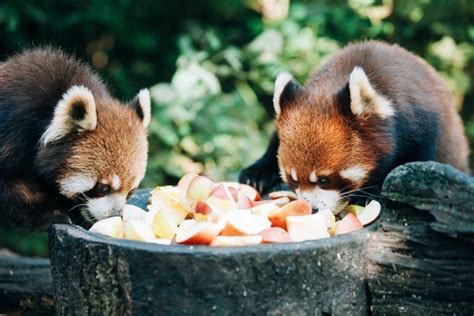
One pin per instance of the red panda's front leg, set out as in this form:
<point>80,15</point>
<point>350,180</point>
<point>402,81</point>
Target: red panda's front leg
<point>24,203</point>
<point>264,174</point>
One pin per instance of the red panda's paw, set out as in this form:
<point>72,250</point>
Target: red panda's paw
<point>262,179</point>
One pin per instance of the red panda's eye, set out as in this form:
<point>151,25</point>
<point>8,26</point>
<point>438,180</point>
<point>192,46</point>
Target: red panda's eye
<point>324,181</point>
<point>101,189</point>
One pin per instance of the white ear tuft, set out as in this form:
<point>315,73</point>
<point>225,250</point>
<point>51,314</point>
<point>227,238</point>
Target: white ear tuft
<point>364,98</point>
<point>280,83</point>
<point>145,104</point>
<point>76,110</point>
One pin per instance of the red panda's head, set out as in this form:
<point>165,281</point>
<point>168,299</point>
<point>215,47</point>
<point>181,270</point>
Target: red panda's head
<point>330,137</point>
<point>98,148</point>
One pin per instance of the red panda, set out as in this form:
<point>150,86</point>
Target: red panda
<point>372,107</point>
<point>65,142</point>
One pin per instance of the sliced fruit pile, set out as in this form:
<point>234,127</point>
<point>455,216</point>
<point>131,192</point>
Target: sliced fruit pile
<point>199,211</point>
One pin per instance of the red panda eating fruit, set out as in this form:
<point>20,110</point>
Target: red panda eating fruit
<point>65,143</point>
<point>372,107</point>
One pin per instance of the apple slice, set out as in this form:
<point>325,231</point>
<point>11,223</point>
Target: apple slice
<point>161,241</point>
<point>198,233</point>
<point>307,227</point>
<point>222,192</point>
<point>138,230</point>
<point>235,185</point>
<point>183,183</point>
<point>348,224</point>
<point>282,201</point>
<point>275,235</point>
<point>220,205</point>
<point>200,188</point>
<point>278,194</point>
<point>203,208</point>
<point>112,227</point>
<point>330,220</point>
<point>236,240</point>
<point>250,192</point>
<point>265,208</point>
<point>132,212</point>
<point>169,197</point>
<point>369,213</point>
<point>295,208</point>
<point>354,209</point>
<point>243,222</point>
<point>243,202</point>
<point>166,221</point>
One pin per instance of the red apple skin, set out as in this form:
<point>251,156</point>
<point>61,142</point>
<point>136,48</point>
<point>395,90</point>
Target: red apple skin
<point>204,236</point>
<point>294,208</point>
<point>250,192</point>
<point>234,192</point>
<point>275,235</point>
<point>348,224</point>
<point>202,208</point>
<point>243,201</point>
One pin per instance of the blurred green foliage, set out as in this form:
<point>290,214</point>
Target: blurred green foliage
<point>211,64</point>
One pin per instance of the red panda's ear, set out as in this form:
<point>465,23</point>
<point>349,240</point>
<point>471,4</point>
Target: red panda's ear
<point>142,105</point>
<point>75,111</point>
<point>364,98</point>
<point>285,90</point>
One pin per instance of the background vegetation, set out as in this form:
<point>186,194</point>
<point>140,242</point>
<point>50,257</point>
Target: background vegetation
<point>211,64</point>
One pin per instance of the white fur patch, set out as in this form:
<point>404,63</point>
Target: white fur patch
<point>312,177</point>
<point>116,182</point>
<point>145,104</point>
<point>356,173</point>
<point>293,175</point>
<point>320,199</point>
<point>280,83</point>
<point>73,185</point>
<point>63,123</point>
<point>361,90</point>
<point>283,175</point>
<point>106,206</point>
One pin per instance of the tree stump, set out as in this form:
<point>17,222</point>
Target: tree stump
<point>416,259</point>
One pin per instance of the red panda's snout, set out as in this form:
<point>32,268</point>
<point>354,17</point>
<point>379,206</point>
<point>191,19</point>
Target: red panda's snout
<point>106,157</point>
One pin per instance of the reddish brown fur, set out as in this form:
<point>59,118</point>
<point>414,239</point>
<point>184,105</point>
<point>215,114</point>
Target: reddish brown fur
<point>316,133</point>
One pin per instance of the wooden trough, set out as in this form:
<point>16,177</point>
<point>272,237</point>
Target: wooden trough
<point>418,258</point>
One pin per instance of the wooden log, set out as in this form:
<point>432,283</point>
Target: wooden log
<point>25,285</point>
<point>421,259</point>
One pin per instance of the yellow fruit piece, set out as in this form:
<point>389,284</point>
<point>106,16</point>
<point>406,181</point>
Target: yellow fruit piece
<point>112,226</point>
<point>166,222</point>
<point>330,221</point>
<point>355,209</point>
<point>138,230</point>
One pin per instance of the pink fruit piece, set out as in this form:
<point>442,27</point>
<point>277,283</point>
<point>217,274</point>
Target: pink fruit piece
<point>222,192</point>
<point>200,188</point>
<point>250,192</point>
<point>275,235</point>
<point>348,224</point>
<point>185,180</point>
<point>243,202</point>
<point>295,208</point>
<point>278,194</point>
<point>198,233</point>
<point>203,208</point>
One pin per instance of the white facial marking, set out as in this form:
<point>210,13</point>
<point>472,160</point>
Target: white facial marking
<point>137,183</point>
<point>73,185</point>
<point>116,182</point>
<point>312,177</point>
<point>320,199</point>
<point>356,173</point>
<point>106,206</point>
<point>283,175</point>
<point>145,103</point>
<point>63,123</point>
<point>280,84</point>
<point>293,174</point>
<point>361,90</point>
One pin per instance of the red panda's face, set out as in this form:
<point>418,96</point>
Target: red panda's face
<point>320,157</point>
<point>107,160</point>
<point>328,148</point>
